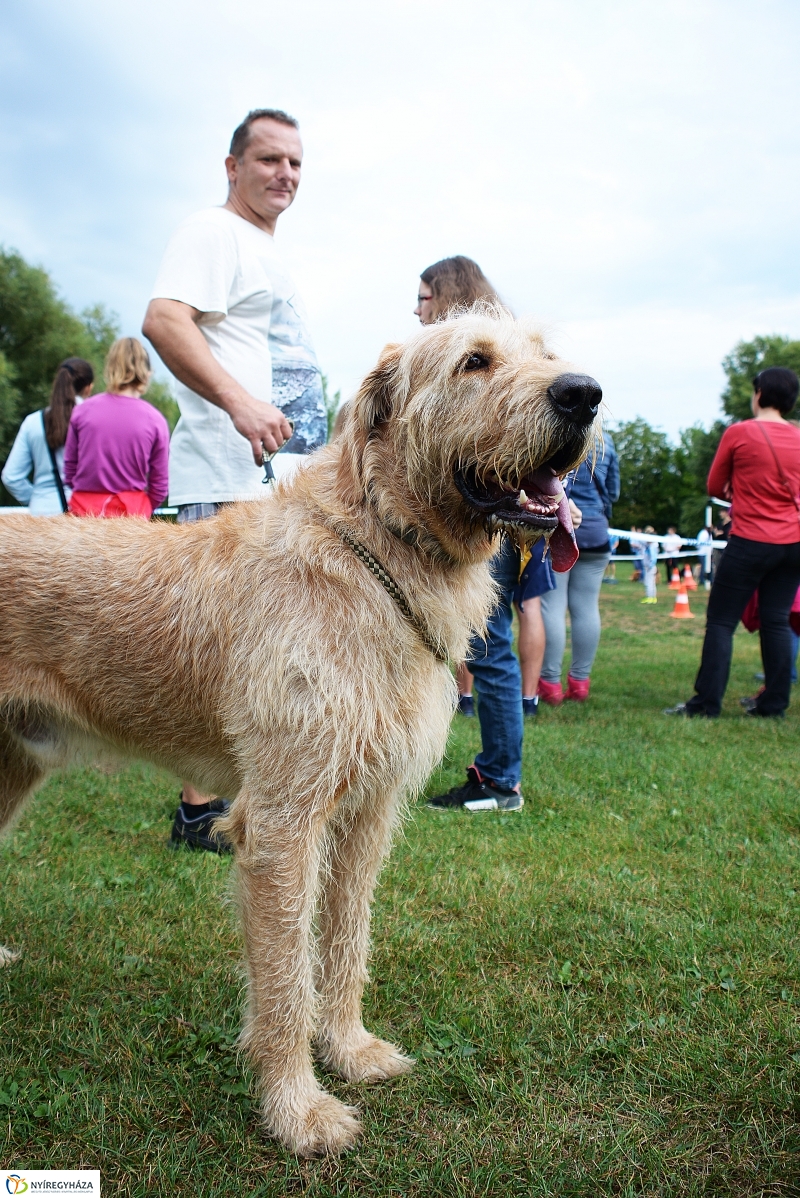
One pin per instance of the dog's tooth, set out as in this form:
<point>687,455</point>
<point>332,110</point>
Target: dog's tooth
<point>523,498</point>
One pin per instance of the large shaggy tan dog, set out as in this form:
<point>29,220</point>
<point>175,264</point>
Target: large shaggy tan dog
<point>259,655</point>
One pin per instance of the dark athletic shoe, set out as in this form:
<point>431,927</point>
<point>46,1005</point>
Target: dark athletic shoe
<point>684,710</point>
<point>530,707</point>
<point>765,715</point>
<point>749,703</point>
<point>466,705</point>
<point>478,794</point>
<point>199,833</point>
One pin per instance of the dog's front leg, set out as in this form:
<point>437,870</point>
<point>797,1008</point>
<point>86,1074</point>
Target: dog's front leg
<point>357,849</point>
<point>279,862</point>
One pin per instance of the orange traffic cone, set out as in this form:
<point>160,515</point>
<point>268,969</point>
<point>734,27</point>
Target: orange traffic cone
<point>675,581</point>
<point>681,609</point>
<point>688,578</point>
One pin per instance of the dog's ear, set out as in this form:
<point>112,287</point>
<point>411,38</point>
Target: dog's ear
<point>375,398</point>
<point>370,408</point>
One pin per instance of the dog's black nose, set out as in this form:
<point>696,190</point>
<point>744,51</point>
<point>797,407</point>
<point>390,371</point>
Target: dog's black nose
<point>577,396</point>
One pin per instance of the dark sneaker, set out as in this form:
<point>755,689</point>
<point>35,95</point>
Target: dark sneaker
<point>466,705</point>
<point>530,707</point>
<point>689,712</point>
<point>478,794</point>
<point>749,703</point>
<point>198,833</point>
<point>764,715</point>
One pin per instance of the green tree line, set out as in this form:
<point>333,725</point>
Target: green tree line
<point>38,329</point>
<point>661,483</point>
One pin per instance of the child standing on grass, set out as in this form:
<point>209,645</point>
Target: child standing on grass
<point>117,451</point>
<point>650,567</point>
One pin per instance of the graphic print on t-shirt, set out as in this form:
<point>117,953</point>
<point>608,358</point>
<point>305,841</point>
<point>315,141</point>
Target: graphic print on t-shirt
<point>297,391</point>
<point>296,380</point>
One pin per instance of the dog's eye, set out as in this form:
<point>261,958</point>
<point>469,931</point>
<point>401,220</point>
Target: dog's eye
<point>476,362</point>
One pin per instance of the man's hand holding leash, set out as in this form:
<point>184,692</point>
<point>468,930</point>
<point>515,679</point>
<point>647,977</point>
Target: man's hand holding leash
<point>260,423</point>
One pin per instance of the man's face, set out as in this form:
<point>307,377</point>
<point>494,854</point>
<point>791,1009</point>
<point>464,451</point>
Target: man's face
<point>267,177</point>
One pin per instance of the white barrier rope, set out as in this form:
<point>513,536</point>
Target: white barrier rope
<point>627,534</point>
<point>662,557</point>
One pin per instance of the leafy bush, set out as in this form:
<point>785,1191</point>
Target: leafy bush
<point>37,331</point>
<point>744,362</point>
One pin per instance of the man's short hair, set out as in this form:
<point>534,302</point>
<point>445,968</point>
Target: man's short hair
<point>241,134</point>
<point>778,387</point>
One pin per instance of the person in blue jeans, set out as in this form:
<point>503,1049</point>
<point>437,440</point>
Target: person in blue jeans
<point>493,781</point>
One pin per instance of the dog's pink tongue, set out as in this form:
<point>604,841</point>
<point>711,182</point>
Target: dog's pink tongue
<point>563,547</point>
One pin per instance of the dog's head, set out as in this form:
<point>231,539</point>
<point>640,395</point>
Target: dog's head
<point>467,430</point>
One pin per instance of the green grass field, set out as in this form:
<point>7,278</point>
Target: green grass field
<point>602,991</point>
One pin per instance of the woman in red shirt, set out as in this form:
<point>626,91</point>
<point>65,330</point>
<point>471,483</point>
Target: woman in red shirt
<point>757,466</point>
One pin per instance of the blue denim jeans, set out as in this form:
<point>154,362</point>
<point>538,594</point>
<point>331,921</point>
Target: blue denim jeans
<point>498,681</point>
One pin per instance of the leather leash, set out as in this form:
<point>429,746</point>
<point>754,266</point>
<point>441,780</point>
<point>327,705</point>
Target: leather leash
<point>388,583</point>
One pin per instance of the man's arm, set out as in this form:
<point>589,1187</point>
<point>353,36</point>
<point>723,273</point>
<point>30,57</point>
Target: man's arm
<point>172,328</point>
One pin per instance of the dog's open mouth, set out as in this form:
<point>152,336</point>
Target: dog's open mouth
<point>538,505</point>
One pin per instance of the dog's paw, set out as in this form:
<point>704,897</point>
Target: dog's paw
<point>7,956</point>
<point>326,1128</point>
<point>365,1058</point>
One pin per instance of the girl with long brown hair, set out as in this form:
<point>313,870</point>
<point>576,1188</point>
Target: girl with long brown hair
<point>39,445</point>
<point>451,285</point>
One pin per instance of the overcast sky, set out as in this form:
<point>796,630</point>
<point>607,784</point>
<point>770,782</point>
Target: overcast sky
<point>625,171</point>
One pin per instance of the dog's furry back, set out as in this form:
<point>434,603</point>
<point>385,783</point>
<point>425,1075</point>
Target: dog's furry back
<point>183,641</point>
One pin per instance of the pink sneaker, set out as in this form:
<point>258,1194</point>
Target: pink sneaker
<point>550,692</point>
<point>577,689</point>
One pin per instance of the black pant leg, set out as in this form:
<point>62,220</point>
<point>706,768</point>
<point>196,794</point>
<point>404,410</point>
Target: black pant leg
<point>776,593</point>
<point>740,571</point>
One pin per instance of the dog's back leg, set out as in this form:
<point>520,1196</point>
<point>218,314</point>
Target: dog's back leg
<point>278,857</point>
<point>19,775</point>
<point>358,846</point>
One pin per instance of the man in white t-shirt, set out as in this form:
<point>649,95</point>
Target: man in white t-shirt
<point>226,319</point>
<point>672,546</point>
